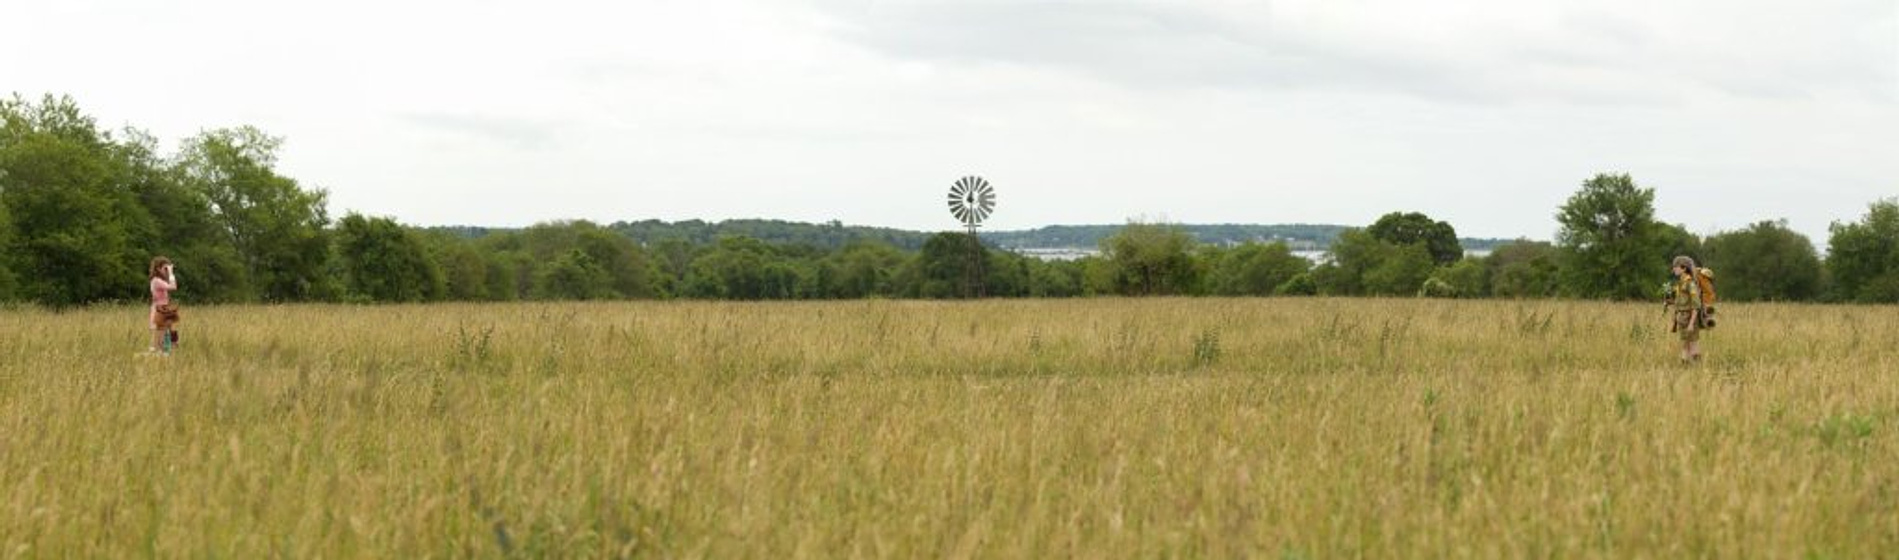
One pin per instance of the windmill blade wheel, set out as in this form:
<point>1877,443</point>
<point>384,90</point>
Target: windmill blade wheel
<point>972,200</point>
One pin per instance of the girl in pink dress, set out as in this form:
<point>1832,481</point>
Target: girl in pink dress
<point>164,316</point>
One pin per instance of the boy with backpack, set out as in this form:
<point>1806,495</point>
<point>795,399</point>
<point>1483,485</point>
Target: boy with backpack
<point>1693,303</point>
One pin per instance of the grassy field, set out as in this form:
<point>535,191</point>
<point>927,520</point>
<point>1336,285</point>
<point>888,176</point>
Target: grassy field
<point>1303,428</point>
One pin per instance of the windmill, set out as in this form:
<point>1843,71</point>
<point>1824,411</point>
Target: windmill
<point>971,200</point>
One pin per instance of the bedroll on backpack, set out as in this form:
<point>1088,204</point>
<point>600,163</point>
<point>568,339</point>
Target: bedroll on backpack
<point>1705,279</point>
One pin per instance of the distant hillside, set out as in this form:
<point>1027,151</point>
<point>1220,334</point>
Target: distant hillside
<point>829,235</point>
<point>699,232</point>
<point>834,234</point>
<point>1300,236</point>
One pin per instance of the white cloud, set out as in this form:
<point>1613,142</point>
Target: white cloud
<point>1486,113</point>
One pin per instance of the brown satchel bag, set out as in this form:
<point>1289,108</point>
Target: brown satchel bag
<point>167,315</point>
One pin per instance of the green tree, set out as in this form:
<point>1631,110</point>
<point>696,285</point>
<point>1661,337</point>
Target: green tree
<point>510,275</point>
<point>1523,269</point>
<point>1863,257</point>
<point>1055,279</point>
<point>1765,261</point>
<point>9,284</point>
<point>464,268</point>
<point>634,275</point>
<point>573,276</point>
<point>1435,287</point>
<point>674,256</point>
<point>385,262</point>
<point>275,225</point>
<point>1668,240</point>
<point>941,268</point>
<point>861,269</point>
<point>1469,278</point>
<point>513,266</point>
<point>1399,271</point>
<point>1151,259</point>
<point>1330,279</point>
<point>1255,269</point>
<point>743,268</point>
<point>182,223</point>
<point>1006,274</point>
<point>1302,284</point>
<point>1607,240</point>
<point>1098,276</point>
<point>465,272</point>
<point>1360,264</point>
<point>1411,228</point>
<point>74,224</point>
<point>527,254</point>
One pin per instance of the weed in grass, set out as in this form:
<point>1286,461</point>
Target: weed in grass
<point>1206,346</point>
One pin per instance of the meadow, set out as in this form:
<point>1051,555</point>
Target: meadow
<point>1276,428</point>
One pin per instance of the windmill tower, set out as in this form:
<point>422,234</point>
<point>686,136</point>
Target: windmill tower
<point>971,200</point>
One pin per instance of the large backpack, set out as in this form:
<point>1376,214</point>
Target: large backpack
<point>1705,278</point>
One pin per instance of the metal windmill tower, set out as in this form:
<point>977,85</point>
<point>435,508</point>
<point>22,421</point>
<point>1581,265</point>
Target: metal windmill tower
<point>971,200</point>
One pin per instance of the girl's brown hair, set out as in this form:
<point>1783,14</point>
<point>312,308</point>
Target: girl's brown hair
<point>158,266</point>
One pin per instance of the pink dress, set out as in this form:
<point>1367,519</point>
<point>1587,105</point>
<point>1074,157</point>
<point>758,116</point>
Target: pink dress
<point>161,295</point>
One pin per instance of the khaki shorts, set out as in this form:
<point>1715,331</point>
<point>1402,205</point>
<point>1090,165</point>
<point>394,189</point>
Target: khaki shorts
<point>1683,321</point>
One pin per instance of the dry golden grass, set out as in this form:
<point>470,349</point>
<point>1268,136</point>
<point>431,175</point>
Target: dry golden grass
<point>1028,429</point>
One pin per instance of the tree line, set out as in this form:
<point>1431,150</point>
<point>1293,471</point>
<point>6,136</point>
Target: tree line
<point>83,209</point>
<point>1609,245</point>
<point>834,234</point>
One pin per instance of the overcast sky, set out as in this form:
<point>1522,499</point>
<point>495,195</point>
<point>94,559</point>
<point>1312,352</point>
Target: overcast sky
<point>1487,114</point>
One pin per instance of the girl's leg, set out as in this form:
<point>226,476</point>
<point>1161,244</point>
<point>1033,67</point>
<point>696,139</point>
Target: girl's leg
<point>156,333</point>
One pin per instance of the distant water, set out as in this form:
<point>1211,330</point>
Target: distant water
<point>1319,256</point>
<point>1073,253</point>
<point>1057,253</point>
